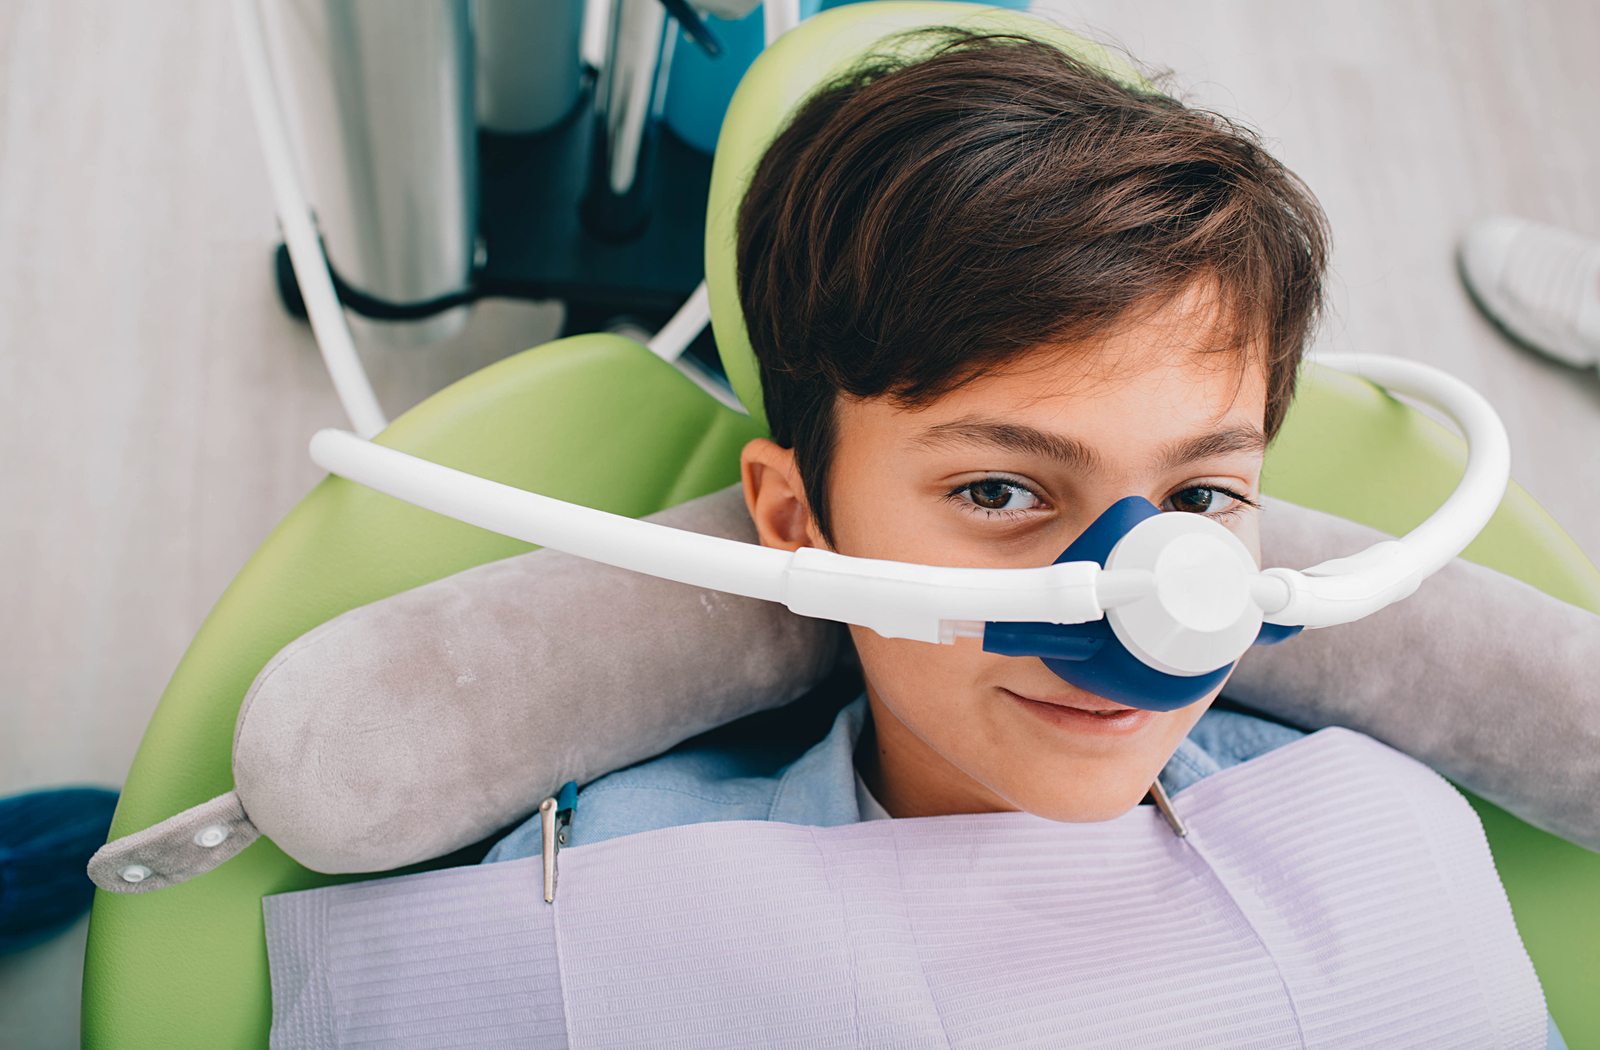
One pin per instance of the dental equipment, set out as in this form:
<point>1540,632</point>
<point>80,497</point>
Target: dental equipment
<point>1176,598</point>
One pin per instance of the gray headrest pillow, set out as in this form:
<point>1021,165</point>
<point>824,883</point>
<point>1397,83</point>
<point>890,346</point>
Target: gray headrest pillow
<point>416,725</point>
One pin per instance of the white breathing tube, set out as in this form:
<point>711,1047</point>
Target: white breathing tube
<point>896,599</point>
<point>1346,589</point>
<point>1181,592</point>
<point>924,602</point>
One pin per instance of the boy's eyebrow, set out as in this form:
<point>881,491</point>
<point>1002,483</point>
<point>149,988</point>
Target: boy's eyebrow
<point>1013,437</point>
<point>1217,443</point>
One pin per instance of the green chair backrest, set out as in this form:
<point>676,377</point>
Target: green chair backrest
<point>600,421</point>
<point>594,419</point>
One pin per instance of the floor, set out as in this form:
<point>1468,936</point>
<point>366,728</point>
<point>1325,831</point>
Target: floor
<point>155,402</point>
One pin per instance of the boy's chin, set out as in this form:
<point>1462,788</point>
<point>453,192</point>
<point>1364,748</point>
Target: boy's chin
<point>1106,802</point>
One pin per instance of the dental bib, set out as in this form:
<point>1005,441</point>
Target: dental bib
<point>1332,893</point>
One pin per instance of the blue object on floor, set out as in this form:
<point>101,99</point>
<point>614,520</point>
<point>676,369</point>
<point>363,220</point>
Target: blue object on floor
<point>46,840</point>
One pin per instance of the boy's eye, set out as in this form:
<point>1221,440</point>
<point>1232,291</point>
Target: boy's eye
<point>1202,499</point>
<point>997,494</point>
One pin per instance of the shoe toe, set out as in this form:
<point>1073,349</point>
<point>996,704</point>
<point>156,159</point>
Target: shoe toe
<point>1484,251</point>
<point>1508,265</point>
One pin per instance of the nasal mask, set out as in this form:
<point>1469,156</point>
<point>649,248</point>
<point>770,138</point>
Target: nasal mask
<point>1148,609</point>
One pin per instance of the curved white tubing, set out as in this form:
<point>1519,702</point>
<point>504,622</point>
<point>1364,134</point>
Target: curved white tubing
<point>305,249</point>
<point>1346,589</point>
<point>673,554</point>
<point>937,603</point>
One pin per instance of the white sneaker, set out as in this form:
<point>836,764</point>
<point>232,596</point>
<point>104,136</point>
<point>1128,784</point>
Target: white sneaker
<point>1540,283</point>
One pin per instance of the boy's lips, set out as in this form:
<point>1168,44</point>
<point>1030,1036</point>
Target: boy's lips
<point>1083,713</point>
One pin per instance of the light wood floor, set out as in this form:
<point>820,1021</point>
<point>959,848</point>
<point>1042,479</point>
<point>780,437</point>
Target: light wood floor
<point>155,403</point>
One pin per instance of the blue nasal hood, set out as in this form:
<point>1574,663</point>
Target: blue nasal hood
<point>1089,655</point>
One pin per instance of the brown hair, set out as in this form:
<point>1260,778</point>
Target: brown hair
<point>921,221</point>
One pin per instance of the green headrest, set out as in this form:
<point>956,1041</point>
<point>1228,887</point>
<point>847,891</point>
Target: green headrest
<point>782,78</point>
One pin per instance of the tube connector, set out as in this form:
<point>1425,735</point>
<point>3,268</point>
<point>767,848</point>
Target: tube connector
<point>950,630</point>
<point>1343,590</point>
<point>1117,587</point>
<point>904,600</point>
<point>1271,592</point>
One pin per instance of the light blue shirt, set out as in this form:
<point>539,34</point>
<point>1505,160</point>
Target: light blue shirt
<point>793,784</point>
<point>787,782</point>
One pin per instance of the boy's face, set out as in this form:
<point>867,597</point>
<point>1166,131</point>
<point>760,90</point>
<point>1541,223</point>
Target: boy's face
<point>1005,472</point>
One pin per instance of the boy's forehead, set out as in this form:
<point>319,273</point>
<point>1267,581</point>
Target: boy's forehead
<point>1065,402</point>
<point>1176,383</point>
<point>1140,423</point>
<point>1191,353</point>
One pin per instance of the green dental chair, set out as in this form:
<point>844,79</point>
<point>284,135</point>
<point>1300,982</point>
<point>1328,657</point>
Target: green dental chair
<point>597,419</point>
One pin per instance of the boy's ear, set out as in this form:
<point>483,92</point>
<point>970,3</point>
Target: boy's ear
<point>776,496</point>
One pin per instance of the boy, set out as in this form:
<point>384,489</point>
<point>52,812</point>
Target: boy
<point>992,292</point>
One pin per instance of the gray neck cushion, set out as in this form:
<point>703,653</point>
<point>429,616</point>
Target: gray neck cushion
<point>419,724</point>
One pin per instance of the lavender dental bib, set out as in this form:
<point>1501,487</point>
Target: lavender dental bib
<point>1332,893</point>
